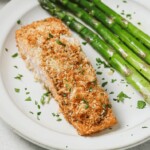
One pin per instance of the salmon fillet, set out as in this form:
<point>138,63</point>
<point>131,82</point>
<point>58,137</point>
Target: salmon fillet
<point>57,60</point>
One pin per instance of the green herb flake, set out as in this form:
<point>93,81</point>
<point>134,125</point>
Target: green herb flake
<point>98,73</point>
<point>113,80</point>
<point>90,89</point>
<point>19,21</point>
<point>121,96</point>
<point>141,104</point>
<point>53,114</point>
<point>124,1</point>
<point>14,55</point>
<point>39,107</point>
<point>86,103</point>
<point>104,84</point>
<point>28,99</point>
<point>36,103</point>
<point>6,49</point>
<point>18,77</point>
<point>27,93</point>
<point>59,119</point>
<point>129,16</point>
<point>38,113</point>
<point>100,62</point>
<point>50,35</point>
<point>17,90</point>
<point>60,43</point>
<point>16,67</point>
<point>144,127</point>
<point>64,95</point>
<point>111,93</point>
<point>106,106</point>
<point>57,116</point>
<point>139,23</point>
<point>31,112</point>
<point>84,43</point>
<point>45,98</point>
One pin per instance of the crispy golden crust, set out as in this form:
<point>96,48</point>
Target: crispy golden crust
<point>59,63</point>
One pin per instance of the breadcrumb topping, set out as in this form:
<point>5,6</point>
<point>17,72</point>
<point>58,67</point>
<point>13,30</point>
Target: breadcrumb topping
<point>57,60</point>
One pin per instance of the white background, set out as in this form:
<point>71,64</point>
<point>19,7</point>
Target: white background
<point>11,141</point>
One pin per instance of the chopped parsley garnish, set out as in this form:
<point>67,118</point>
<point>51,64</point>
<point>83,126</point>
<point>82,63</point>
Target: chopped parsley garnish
<point>122,13</point>
<point>38,106</point>
<point>36,103</point>
<point>59,119</point>
<point>98,73</point>
<point>25,89</point>
<point>86,103</point>
<point>50,35</point>
<point>14,55</point>
<point>124,1</point>
<point>17,90</point>
<point>28,99</point>
<point>90,89</point>
<point>113,80</point>
<point>117,6</point>
<point>31,112</point>
<point>144,127</point>
<point>104,84</point>
<point>100,62</point>
<point>111,93</point>
<point>141,104</point>
<point>16,67</point>
<point>6,49</point>
<point>128,16</point>
<point>19,22</point>
<point>84,43</point>
<point>105,106</point>
<point>19,77</point>
<point>60,43</point>
<point>64,95</point>
<point>45,98</point>
<point>139,23</point>
<point>27,93</point>
<point>121,96</point>
<point>38,113</point>
<point>57,116</point>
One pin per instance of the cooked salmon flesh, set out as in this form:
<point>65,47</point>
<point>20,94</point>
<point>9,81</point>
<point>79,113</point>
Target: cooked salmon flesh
<point>57,60</point>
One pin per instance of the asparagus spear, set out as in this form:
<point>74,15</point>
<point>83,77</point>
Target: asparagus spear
<point>114,59</point>
<point>124,23</point>
<point>127,38</point>
<point>126,53</point>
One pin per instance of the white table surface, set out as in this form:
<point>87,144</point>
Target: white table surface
<point>11,141</point>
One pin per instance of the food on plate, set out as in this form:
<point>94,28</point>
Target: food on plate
<point>111,56</point>
<point>139,34</point>
<point>57,60</point>
<point>133,47</point>
<point>112,39</point>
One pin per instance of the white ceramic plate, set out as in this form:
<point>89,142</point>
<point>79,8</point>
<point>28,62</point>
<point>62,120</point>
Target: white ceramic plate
<point>48,132</point>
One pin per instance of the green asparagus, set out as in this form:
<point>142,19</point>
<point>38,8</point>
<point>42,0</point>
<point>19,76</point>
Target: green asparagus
<point>114,59</point>
<point>143,37</point>
<point>127,38</point>
<point>126,53</point>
